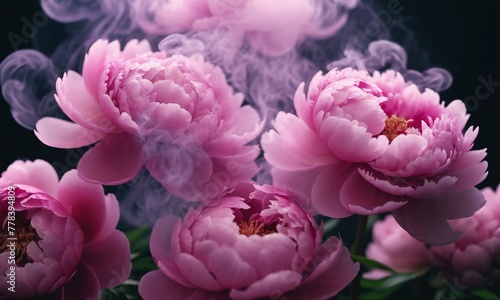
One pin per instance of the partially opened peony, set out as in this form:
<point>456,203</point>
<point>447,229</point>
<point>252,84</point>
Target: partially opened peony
<point>254,242</point>
<point>66,245</point>
<point>364,144</point>
<point>273,27</point>
<point>394,247</point>
<point>474,259</point>
<point>175,115</point>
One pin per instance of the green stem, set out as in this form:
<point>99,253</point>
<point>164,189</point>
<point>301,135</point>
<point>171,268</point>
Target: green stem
<point>358,250</point>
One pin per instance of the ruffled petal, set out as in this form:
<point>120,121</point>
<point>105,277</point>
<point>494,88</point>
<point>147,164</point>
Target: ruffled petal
<point>38,173</point>
<point>360,197</point>
<point>272,286</point>
<point>345,139</point>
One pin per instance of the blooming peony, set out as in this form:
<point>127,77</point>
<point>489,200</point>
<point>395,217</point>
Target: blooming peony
<point>253,242</point>
<point>175,115</point>
<point>67,246</point>
<point>273,27</point>
<point>395,248</point>
<point>366,144</point>
<point>474,259</point>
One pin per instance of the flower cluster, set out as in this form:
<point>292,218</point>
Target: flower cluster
<point>173,102</point>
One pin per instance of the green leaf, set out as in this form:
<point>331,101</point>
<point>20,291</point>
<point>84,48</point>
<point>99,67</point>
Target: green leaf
<point>370,263</point>
<point>398,279</point>
<point>484,294</point>
<point>330,225</point>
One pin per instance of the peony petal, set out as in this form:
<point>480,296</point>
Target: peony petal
<point>360,197</point>
<point>272,286</point>
<point>39,174</point>
<point>79,105</point>
<point>115,160</point>
<point>456,205</point>
<point>469,169</point>
<point>95,62</point>
<point>325,194</point>
<point>230,270</point>
<point>197,273</point>
<point>134,48</point>
<point>155,286</point>
<point>345,139</point>
<point>109,258</point>
<point>414,217</point>
<point>83,285</point>
<point>84,201</point>
<point>162,239</point>
<point>334,271</point>
<point>63,134</point>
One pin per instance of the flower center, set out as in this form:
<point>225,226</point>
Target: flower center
<point>23,234</point>
<point>255,227</point>
<point>395,126</point>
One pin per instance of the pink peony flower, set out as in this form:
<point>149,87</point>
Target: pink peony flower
<point>474,259</point>
<point>66,244</point>
<point>175,115</point>
<point>395,248</point>
<point>270,26</point>
<point>255,242</point>
<point>366,144</point>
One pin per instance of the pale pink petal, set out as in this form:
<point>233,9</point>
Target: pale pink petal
<point>134,48</point>
<point>85,202</point>
<point>79,105</point>
<point>360,197</point>
<point>38,173</point>
<point>95,62</point>
<point>294,146</point>
<point>470,169</point>
<point>114,160</point>
<point>63,134</point>
<point>109,259</point>
<point>197,273</point>
<point>225,263</point>
<point>83,285</point>
<point>345,139</point>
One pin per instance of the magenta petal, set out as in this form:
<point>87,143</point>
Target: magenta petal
<point>155,286</point>
<point>112,213</point>
<point>331,275</point>
<point>360,197</point>
<point>225,263</point>
<point>63,134</point>
<point>83,284</point>
<point>414,217</point>
<point>109,258</point>
<point>272,286</point>
<point>115,160</point>
<point>325,194</point>
<point>85,202</point>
